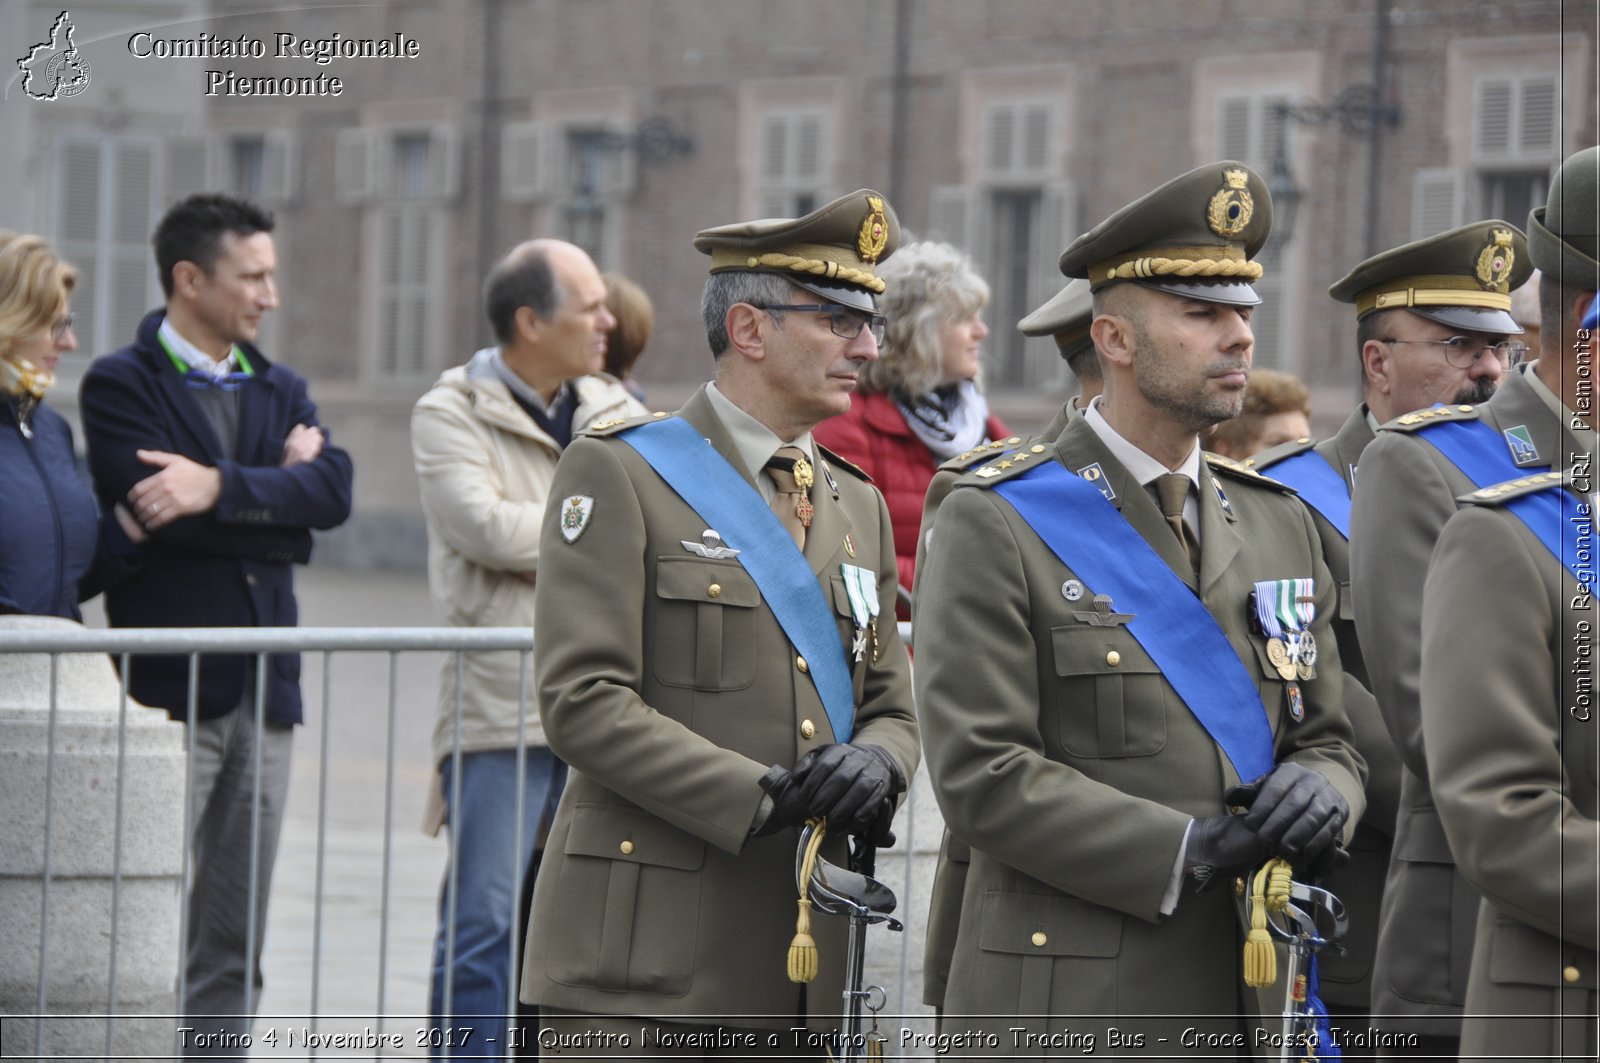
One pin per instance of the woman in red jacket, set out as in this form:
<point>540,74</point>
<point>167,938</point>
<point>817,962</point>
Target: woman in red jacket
<point>919,403</point>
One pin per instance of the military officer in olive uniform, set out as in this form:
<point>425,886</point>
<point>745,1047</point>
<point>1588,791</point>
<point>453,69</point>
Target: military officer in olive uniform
<point>1064,317</point>
<point>1396,378</point>
<point>718,660</point>
<point>1510,736</point>
<point>1091,684</point>
<point>1409,481</point>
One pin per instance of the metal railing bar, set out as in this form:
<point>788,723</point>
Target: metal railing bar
<point>251,894</point>
<point>452,822</point>
<point>322,844</point>
<point>388,841</point>
<point>519,866</point>
<point>186,875</point>
<point>116,859</point>
<point>239,640</point>
<point>49,812</point>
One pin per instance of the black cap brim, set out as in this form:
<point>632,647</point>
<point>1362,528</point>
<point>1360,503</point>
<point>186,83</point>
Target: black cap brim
<point>1228,293</point>
<point>837,292</point>
<point>1471,318</point>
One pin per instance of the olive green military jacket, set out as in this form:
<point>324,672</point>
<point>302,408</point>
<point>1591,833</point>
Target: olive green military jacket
<point>668,685</point>
<point>1512,752</point>
<point>1346,973</point>
<point>1405,492</point>
<point>1063,757</point>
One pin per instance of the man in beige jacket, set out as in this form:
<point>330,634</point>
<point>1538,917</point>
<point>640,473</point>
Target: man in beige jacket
<point>486,439</point>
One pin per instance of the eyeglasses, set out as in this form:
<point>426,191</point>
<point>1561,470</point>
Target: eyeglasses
<point>61,326</point>
<point>845,321</point>
<point>1463,352</point>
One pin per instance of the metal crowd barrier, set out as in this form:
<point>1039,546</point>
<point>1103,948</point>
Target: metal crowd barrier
<point>124,644</point>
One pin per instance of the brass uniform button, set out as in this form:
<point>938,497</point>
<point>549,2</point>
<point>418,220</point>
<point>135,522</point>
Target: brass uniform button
<point>1039,939</point>
<point>715,590</point>
<point>808,729</point>
<point>1113,658</point>
<point>1569,973</point>
<point>800,663</point>
<point>627,848</point>
<point>1037,449</point>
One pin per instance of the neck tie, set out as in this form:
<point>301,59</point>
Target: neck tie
<point>1172,490</point>
<point>792,474</point>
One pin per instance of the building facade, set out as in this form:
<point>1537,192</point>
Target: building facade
<point>1006,126</point>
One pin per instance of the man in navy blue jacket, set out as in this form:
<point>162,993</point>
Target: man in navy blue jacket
<point>217,453</point>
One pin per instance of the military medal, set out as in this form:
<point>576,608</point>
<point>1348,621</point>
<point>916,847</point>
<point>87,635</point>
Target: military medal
<point>803,479</point>
<point>1284,609</point>
<point>861,586</point>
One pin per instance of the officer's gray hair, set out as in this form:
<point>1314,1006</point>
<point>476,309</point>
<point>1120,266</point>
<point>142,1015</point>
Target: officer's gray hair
<point>723,290</point>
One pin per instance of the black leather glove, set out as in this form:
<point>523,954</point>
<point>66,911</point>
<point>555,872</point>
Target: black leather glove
<point>1222,845</point>
<point>1297,812</point>
<point>848,784</point>
<point>879,835</point>
<point>788,806</point>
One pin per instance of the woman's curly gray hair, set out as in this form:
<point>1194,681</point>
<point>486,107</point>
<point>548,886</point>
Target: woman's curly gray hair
<point>929,285</point>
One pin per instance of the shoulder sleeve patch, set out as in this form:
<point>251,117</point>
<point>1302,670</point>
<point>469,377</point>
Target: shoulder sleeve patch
<point>1012,457</point>
<point>840,463</point>
<point>616,424</point>
<point>1420,419</point>
<point>1501,493</point>
<point>1268,458</point>
<point>1239,471</point>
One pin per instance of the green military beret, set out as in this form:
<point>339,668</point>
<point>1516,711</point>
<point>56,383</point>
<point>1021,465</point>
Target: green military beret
<point>1562,233</point>
<point>1462,278</point>
<point>1065,318</point>
<point>832,252</point>
<point>1194,236</point>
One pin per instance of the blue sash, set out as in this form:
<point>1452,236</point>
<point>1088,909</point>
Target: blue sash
<point>1478,450</point>
<point>727,502</point>
<point>1090,537</point>
<point>1567,532</point>
<point>1318,484</point>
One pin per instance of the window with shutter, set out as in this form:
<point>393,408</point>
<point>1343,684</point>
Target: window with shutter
<point>406,304</point>
<point>106,206</point>
<point>1516,120</point>
<point>1250,130</point>
<point>1435,201</point>
<point>794,158</point>
<point>1018,139</point>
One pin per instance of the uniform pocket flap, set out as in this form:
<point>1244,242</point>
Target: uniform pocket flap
<point>1422,839</point>
<point>1046,924</point>
<point>634,836</point>
<point>696,579</point>
<point>1521,955</point>
<point>1084,649</point>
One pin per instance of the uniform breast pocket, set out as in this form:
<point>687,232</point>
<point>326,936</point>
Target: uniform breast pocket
<point>706,624</point>
<point>1110,700</point>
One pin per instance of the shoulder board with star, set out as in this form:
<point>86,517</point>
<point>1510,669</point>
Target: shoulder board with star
<point>1238,470</point>
<point>1501,493</point>
<point>612,426</point>
<point>1419,419</point>
<point>1003,465</point>
<point>980,454</point>
<point>1268,458</point>
<point>840,463</point>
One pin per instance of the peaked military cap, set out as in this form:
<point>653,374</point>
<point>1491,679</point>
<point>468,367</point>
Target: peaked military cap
<point>1194,236</point>
<point>1065,317</point>
<point>1463,279</point>
<point>1562,234</point>
<point>832,252</point>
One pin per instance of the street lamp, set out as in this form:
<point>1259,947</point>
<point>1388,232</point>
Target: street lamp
<point>1358,112</point>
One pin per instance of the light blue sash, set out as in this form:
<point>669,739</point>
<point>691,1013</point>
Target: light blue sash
<point>1090,537</point>
<point>1318,484</point>
<point>693,468</point>
<point>1566,531</point>
<point>1478,450</point>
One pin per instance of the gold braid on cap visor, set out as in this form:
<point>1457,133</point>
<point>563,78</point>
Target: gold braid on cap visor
<point>1177,262</point>
<point>721,259</point>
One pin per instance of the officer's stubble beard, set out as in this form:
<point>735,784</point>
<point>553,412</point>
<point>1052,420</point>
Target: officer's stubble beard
<point>1476,392</point>
<point>1195,408</point>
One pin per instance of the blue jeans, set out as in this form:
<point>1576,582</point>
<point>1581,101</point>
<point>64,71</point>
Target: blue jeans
<point>489,892</point>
